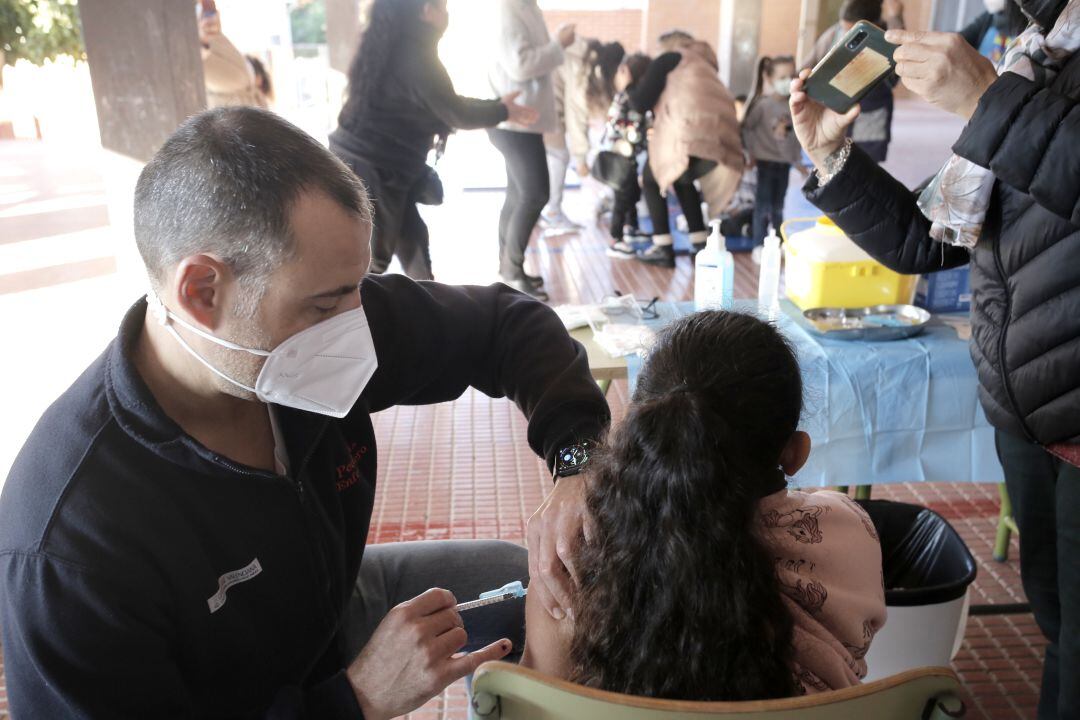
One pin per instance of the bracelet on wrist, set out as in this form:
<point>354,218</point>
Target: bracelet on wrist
<point>834,163</point>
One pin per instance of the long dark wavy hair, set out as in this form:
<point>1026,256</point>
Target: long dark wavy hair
<point>678,598</point>
<point>387,23</point>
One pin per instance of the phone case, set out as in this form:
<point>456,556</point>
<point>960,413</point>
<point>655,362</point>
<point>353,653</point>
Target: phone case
<point>845,75</point>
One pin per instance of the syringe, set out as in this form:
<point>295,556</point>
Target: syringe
<point>506,592</point>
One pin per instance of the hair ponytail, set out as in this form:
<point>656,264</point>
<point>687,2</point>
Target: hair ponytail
<point>757,89</point>
<point>678,597</point>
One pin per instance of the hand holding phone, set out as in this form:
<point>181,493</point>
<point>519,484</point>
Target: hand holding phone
<point>861,60</point>
<point>821,131</point>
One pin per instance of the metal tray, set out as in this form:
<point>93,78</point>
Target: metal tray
<point>877,323</point>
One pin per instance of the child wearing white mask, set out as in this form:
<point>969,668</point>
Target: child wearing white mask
<point>770,144</point>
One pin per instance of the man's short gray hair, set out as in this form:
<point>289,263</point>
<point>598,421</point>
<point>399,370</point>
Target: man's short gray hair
<point>224,183</point>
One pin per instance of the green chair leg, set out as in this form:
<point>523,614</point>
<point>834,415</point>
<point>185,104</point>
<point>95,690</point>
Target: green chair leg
<point>1006,526</point>
<point>862,492</point>
<point>604,385</point>
<point>842,489</point>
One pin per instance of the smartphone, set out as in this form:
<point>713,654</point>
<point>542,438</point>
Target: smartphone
<point>852,68</point>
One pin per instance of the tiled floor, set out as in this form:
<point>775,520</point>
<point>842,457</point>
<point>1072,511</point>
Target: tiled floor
<point>463,469</point>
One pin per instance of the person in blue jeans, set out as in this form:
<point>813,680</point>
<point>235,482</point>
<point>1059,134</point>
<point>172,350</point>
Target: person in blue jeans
<point>769,141</point>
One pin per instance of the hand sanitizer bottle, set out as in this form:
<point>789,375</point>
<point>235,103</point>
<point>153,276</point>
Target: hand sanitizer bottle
<point>769,279</point>
<point>714,274</point>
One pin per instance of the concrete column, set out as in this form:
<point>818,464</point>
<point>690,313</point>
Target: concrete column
<point>146,71</point>
<point>342,32</point>
<point>808,30</point>
<point>740,30</point>
<point>145,68</point>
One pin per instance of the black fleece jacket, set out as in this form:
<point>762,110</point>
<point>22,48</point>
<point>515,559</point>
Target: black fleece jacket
<point>412,102</point>
<point>145,576</point>
<point>1025,269</point>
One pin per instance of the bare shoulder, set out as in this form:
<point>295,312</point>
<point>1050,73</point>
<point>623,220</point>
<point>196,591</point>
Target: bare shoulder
<point>547,641</point>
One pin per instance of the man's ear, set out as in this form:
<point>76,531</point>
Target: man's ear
<point>200,289</point>
<point>795,453</point>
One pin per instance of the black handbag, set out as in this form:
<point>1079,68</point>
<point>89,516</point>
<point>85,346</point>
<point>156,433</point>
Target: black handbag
<point>613,169</point>
<point>429,189</point>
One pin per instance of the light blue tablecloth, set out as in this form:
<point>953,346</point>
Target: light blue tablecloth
<point>887,412</point>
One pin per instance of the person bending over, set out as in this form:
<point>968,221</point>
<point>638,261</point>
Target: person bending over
<point>694,133</point>
<point>702,576</point>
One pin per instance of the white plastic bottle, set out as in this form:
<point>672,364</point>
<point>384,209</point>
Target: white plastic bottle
<point>714,274</point>
<point>769,277</point>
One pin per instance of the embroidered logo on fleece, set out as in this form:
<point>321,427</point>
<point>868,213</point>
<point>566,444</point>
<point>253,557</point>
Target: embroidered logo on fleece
<point>229,579</point>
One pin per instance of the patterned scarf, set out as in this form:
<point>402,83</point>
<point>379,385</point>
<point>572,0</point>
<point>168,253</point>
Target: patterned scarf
<point>956,199</point>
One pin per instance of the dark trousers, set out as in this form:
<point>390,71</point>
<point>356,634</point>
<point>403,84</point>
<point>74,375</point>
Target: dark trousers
<point>1045,494</point>
<point>392,573</point>
<point>689,200</point>
<point>527,193</point>
<point>772,185</point>
<point>624,210</point>
<point>398,228</point>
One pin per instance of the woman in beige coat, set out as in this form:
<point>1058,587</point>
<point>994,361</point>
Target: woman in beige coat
<point>695,134</point>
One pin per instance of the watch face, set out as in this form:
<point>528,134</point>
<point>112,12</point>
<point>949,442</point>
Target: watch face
<point>572,459</point>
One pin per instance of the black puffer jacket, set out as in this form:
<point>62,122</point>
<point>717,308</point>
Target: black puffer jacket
<point>1025,269</point>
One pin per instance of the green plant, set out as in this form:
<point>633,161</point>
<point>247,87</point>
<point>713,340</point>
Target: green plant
<point>308,22</point>
<point>39,30</point>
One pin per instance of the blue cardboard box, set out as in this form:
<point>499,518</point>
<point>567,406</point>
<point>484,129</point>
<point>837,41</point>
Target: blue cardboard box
<point>946,291</point>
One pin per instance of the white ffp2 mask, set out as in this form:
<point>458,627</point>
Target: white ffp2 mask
<point>322,369</point>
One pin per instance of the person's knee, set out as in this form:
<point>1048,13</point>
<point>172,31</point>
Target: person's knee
<point>536,197</point>
<point>503,554</point>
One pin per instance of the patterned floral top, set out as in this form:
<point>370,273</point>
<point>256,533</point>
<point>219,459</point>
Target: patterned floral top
<point>828,562</point>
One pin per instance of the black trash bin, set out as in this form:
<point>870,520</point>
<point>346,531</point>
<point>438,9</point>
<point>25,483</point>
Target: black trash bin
<point>927,569</point>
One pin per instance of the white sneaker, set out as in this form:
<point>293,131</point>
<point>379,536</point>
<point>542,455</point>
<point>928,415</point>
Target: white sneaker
<point>621,249</point>
<point>557,224</point>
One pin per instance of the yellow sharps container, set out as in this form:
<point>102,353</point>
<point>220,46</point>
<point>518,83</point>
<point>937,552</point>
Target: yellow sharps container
<point>826,269</point>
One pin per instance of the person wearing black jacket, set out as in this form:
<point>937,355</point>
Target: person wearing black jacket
<point>1025,278</point>
<point>183,534</point>
<point>400,98</point>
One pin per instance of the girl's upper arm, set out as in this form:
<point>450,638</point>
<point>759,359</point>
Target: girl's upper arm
<point>547,641</point>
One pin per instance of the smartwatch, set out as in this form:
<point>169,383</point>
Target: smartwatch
<point>573,459</point>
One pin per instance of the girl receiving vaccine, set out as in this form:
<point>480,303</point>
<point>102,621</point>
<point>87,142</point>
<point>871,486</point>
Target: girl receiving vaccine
<point>701,575</point>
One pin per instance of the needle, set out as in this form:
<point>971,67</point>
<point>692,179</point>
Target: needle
<point>506,592</point>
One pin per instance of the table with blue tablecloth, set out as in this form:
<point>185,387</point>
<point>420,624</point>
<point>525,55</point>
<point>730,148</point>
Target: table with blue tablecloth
<point>878,412</point>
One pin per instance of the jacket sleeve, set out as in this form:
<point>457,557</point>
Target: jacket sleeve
<point>646,93</point>
<point>519,57</point>
<point>1029,137</point>
<point>576,105</point>
<point>81,645</point>
<point>880,215</point>
<point>437,93</point>
<point>433,341</point>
